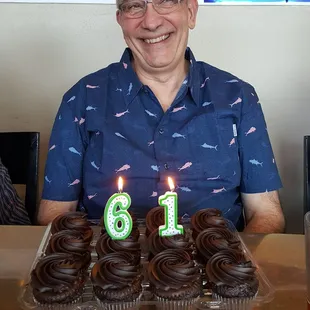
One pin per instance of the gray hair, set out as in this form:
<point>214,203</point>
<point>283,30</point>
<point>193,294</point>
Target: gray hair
<point>118,3</point>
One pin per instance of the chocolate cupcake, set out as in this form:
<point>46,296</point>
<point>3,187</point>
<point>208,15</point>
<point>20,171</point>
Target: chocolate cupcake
<point>116,278</point>
<point>71,242</point>
<point>73,221</point>
<point>212,240</point>
<point>157,244</point>
<point>207,218</point>
<point>174,276</point>
<point>106,245</point>
<point>58,279</point>
<point>233,276</point>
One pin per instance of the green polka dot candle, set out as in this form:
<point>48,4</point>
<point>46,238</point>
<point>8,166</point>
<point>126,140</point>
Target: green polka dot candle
<point>117,220</point>
<point>170,202</point>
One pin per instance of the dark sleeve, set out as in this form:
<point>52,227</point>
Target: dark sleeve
<point>12,210</point>
<point>64,165</point>
<point>259,169</point>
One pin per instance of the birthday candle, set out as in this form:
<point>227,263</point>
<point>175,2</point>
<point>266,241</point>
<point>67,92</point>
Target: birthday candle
<point>170,202</point>
<point>117,220</point>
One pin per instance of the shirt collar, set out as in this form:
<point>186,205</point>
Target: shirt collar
<point>193,76</point>
<point>131,85</point>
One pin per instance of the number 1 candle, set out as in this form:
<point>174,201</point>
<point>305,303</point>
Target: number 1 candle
<point>170,202</point>
<point>117,220</point>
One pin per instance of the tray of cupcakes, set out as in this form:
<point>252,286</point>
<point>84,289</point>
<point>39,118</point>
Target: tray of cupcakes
<point>78,266</point>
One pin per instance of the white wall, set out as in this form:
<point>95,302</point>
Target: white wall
<point>45,49</point>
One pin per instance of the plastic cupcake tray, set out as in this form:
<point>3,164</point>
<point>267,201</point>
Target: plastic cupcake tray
<point>88,300</point>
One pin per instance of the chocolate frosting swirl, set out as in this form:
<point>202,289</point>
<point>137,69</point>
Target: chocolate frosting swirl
<point>73,221</point>
<point>229,267</point>
<point>158,244</point>
<point>58,278</point>
<point>207,218</point>
<point>107,245</point>
<point>116,277</point>
<point>173,270</point>
<point>68,241</point>
<point>213,240</point>
<point>154,218</point>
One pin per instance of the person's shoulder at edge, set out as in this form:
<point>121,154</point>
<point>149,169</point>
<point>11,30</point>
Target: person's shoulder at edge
<point>16,213</point>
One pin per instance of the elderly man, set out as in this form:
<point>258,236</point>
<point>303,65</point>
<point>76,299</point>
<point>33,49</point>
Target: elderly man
<point>12,210</point>
<point>158,113</point>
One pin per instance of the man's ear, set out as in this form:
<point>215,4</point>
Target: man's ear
<point>118,17</point>
<point>193,9</point>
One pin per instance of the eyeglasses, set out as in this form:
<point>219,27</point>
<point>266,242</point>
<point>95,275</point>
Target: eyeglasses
<point>137,8</point>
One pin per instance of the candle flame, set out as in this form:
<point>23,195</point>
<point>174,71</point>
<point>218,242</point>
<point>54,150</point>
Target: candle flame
<point>120,184</point>
<point>171,184</point>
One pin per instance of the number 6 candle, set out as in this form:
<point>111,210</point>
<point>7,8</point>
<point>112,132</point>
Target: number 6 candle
<point>117,220</point>
<point>170,202</point>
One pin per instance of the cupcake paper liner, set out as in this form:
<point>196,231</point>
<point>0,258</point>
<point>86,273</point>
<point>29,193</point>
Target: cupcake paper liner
<point>236,303</point>
<point>128,305</point>
<point>186,304</point>
<point>57,306</point>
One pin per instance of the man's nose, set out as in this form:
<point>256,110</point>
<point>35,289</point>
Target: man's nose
<point>151,19</point>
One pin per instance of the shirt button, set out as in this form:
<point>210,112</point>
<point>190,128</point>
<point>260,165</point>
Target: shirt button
<point>166,166</point>
<point>161,131</point>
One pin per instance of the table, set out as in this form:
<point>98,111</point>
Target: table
<point>281,256</point>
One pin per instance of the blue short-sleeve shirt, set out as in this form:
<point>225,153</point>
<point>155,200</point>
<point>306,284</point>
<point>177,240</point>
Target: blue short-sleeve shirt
<point>212,141</point>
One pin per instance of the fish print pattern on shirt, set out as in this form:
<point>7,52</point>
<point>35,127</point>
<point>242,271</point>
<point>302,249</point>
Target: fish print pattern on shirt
<point>251,130</point>
<point>184,189</point>
<point>94,165</point>
<point>177,135</point>
<point>185,166</point>
<point>150,113</point>
<point>155,168</point>
<point>52,147</point>
<point>92,86</point>
<point>75,182</point>
<point>129,89</point>
<point>255,162</point>
<point>120,135</point>
<point>204,82</point>
<point>74,151</point>
<point>207,146</point>
<point>123,168</point>
<point>178,109</point>
<point>71,99</point>
<point>239,100</point>
<point>120,114</point>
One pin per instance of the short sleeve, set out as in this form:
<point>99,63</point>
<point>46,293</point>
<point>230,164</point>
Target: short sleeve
<point>63,170</point>
<point>259,169</point>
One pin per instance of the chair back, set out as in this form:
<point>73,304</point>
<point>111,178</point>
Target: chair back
<point>306,174</point>
<point>241,223</point>
<point>19,153</point>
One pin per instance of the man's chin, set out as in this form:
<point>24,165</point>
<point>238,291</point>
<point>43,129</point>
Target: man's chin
<point>158,62</point>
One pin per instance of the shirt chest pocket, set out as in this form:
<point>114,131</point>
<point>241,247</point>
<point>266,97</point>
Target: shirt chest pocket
<point>211,146</point>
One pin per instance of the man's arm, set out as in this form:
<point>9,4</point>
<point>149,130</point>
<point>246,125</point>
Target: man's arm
<point>63,175</point>
<point>263,213</point>
<point>49,209</point>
